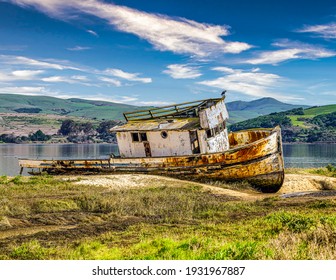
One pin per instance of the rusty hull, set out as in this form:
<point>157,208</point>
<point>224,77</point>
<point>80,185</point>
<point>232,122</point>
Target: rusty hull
<point>255,155</point>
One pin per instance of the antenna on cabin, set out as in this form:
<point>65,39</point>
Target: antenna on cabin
<point>223,92</point>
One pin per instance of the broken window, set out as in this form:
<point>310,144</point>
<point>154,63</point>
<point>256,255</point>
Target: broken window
<point>139,137</point>
<point>209,133</point>
<point>135,137</point>
<point>143,136</point>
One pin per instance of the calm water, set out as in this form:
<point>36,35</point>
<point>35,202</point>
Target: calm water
<point>299,155</point>
<point>9,153</point>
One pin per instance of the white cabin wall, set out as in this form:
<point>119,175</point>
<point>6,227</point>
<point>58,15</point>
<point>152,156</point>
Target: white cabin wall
<point>128,148</point>
<point>176,143</point>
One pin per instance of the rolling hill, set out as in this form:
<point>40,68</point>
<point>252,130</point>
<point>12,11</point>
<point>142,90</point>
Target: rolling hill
<point>243,110</point>
<point>314,124</point>
<point>100,110</point>
<point>14,103</point>
<point>22,115</point>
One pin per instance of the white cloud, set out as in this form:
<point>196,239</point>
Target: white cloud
<point>327,31</point>
<point>256,84</point>
<point>165,33</point>
<point>182,71</point>
<point>92,33</point>
<point>110,81</point>
<point>291,50</point>
<point>79,48</point>
<point>225,69</point>
<point>153,103</point>
<point>127,76</point>
<point>19,75</point>
<point>80,78</point>
<point>115,99</point>
<point>68,79</point>
<point>25,90</point>
<point>30,62</point>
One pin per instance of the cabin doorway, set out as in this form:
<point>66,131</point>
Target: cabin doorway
<point>148,151</point>
<point>195,148</point>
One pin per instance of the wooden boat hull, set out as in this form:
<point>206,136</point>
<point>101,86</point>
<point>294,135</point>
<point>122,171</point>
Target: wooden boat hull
<point>255,156</point>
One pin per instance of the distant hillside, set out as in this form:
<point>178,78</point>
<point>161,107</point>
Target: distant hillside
<point>243,110</point>
<point>315,124</point>
<point>14,103</point>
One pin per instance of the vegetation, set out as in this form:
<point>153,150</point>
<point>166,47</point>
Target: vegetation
<point>297,125</point>
<point>64,218</point>
<point>329,170</point>
<point>73,131</point>
<point>100,110</point>
<point>37,136</point>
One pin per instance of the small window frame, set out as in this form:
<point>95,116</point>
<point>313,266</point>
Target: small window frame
<point>164,134</point>
<point>135,137</point>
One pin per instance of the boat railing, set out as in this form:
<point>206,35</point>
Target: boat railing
<point>188,109</point>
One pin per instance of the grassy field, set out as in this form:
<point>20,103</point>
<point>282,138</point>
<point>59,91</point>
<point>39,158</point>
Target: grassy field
<point>299,120</point>
<point>128,217</point>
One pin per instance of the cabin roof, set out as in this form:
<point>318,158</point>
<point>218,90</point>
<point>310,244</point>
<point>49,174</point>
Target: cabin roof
<point>159,124</point>
<point>182,110</point>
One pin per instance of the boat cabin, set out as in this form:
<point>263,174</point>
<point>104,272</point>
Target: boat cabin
<point>197,127</point>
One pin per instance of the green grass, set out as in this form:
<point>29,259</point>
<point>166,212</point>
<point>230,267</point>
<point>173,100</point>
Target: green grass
<point>327,109</point>
<point>64,219</point>
<point>299,120</point>
<point>301,123</point>
<point>70,107</point>
<point>329,170</point>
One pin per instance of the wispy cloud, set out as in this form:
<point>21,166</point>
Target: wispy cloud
<point>165,33</point>
<point>153,103</point>
<point>256,84</point>
<point>110,81</point>
<point>30,62</point>
<point>134,77</point>
<point>19,75</point>
<point>115,99</point>
<point>92,32</point>
<point>291,50</point>
<point>182,71</point>
<point>79,48</point>
<point>26,90</point>
<point>67,79</point>
<point>327,31</point>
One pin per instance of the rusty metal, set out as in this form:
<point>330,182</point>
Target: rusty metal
<point>256,156</point>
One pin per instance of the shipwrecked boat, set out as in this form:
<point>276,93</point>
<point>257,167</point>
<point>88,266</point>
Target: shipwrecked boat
<point>187,140</point>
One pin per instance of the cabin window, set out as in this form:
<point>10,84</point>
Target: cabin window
<point>143,136</point>
<point>209,133</point>
<point>139,137</point>
<point>135,137</point>
<point>164,134</point>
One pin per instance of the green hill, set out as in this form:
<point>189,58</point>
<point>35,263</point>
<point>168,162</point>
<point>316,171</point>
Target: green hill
<point>243,110</point>
<point>14,103</point>
<point>315,124</point>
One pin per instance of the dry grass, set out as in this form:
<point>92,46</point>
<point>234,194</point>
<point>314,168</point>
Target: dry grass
<point>150,217</point>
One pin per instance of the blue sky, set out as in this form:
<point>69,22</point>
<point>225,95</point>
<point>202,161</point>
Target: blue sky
<point>162,52</point>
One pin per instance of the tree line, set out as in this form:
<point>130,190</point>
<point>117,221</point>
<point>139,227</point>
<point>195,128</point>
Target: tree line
<point>322,128</point>
<point>73,131</point>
